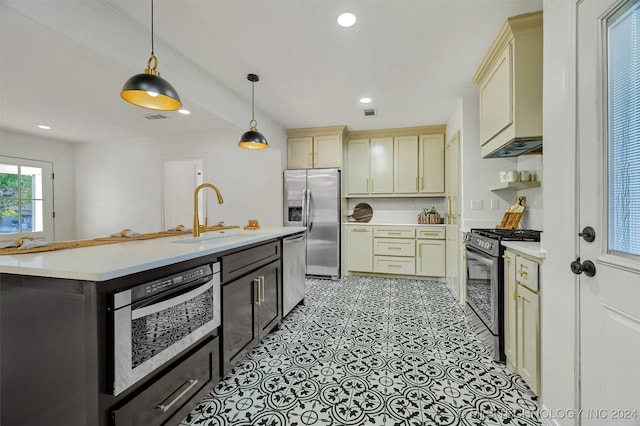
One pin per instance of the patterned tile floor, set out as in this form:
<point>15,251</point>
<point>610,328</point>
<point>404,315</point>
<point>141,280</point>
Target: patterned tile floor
<point>370,351</point>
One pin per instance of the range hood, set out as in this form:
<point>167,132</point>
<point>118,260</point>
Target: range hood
<point>516,147</point>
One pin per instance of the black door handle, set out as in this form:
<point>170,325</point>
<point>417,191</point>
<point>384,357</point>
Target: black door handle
<point>588,234</point>
<point>588,267</point>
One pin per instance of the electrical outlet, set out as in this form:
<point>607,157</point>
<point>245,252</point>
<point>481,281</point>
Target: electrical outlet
<point>476,204</point>
<point>494,204</point>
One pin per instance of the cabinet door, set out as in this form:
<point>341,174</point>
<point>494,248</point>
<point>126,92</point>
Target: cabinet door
<point>239,319</point>
<point>431,165</point>
<point>381,166</point>
<point>360,248</point>
<point>430,258</point>
<point>358,166</point>
<point>300,153</point>
<point>496,97</point>
<point>528,337</point>
<point>327,151</point>
<point>406,165</point>
<point>510,318</point>
<point>269,296</point>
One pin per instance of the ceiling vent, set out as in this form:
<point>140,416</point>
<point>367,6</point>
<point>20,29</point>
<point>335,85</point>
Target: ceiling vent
<point>369,112</point>
<point>155,117</point>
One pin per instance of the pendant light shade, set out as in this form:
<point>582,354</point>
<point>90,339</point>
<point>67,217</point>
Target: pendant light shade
<point>253,139</point>
<point>148,89</point>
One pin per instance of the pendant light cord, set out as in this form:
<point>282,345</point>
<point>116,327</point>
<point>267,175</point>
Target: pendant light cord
<point>152,49</point>
<point>253,115</point>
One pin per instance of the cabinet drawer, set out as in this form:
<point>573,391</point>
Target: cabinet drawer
<point>242,262</point>
<point>394,265</point>
<point>394,247</point>
<point>432,233</point>
<point>395,232</point>
<point>527,273</point>
<point>176,392</point>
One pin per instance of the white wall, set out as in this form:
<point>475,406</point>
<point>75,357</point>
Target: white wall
<point>59,153</point>
<point>119,185</point>
<point>559,285</point>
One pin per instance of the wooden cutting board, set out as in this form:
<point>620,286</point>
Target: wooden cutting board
<point>362,212</point>
<point>511,218</point>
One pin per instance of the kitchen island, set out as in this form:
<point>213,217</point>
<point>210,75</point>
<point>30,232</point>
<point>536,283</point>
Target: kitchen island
<point>59,335</point>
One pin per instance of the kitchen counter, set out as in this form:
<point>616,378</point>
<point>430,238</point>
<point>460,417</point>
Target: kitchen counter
<point>101,263</point>
<point>526,247</point>
<point>396,224</point>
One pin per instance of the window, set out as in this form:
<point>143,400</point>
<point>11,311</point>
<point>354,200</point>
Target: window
<point>26,198</point>
<point>624,129</point>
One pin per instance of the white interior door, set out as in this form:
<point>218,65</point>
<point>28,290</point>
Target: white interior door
<point>181,177</point>
<point>608,105</point>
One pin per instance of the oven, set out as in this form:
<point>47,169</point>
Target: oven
<point>157,321</point>
<point>485,283</point>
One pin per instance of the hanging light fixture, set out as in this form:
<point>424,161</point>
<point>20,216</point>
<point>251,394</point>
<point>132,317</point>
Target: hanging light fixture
<point>253,139</point>
<point>149,90</point>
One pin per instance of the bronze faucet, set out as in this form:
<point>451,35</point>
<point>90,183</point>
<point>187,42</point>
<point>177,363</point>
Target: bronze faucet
<point>196,220</point>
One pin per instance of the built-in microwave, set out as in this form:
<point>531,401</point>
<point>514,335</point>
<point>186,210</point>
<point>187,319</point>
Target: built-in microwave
<point>155,322</point>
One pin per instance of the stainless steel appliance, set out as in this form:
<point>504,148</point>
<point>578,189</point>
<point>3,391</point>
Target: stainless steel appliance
<point>485,283</point>
<point>293,268</point>
<point>156,321</point>
<point>312,199</point>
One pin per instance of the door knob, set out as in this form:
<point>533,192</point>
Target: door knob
<point>588,234</point>
<point>587,267</point>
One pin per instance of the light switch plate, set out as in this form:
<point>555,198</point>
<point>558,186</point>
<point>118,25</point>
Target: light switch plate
<point>494,204</point>
<point>476,205</point>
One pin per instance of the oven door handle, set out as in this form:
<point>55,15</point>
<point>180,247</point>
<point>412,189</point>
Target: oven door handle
<point>174,301</point>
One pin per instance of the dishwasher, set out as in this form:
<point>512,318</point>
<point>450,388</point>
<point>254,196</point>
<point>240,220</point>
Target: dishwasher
<point>293,271</point>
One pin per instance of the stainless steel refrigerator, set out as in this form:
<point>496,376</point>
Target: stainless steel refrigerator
<point>312,199</point>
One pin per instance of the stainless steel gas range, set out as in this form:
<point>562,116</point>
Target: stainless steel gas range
<point>485,283</point>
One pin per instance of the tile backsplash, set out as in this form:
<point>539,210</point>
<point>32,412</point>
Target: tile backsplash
<point>399,210</point>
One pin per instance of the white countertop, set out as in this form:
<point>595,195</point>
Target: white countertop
<point>104,262</point>
<point>397,224</point>
<point>526,247</point>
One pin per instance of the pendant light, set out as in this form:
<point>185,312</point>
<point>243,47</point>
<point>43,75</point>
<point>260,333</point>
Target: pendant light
<point>149,90</point>
<point>253,139</point>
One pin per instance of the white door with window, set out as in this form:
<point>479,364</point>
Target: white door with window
<point>608,129</point>
<point>26,199</point>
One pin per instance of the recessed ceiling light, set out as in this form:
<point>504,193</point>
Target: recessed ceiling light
<point>184,111</point>
<point>365,100</point>
<point>42,126</point>
<point>346,19</point>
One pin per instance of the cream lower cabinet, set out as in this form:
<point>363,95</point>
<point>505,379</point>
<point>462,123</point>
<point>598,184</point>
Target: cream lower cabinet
<point>360,248</point>
<point>431,252</point>
<point>522,317</point>
<point>397,250</point>
<point>394,250</point>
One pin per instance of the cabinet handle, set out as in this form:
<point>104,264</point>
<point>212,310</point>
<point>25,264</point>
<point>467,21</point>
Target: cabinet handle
<point>506,257</point>
<point>394,266</point>
<point>256,286</point>
<point>165,408</point>
<point>367,183</point>
<point>315,158</point>
<point>372,185</point>
<point>523,273</point>
<point>417,183</point>
<point>394,248</point>
<point>393,233</point>
<point>310,159</point>
<point>358,230</point>
<point>261,278</point>
<point>515,295</point>
<point>422,182</point>
<point>448,207</point>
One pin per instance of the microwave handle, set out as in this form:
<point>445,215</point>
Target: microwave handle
<point>173,301</point>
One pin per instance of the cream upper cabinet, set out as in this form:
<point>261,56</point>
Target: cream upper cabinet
<point>358,166</point>
<point>315,147</point>
<point>406,165</point>
<point>510,89</point>
<point>300,153</point>
<point>360,248</point>
<point>381,181</point>
<point>431,164</point>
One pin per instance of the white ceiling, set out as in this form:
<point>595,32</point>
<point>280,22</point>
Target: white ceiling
<point>63,62</point>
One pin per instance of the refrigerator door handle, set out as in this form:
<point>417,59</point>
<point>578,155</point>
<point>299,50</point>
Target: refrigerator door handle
<point>304,207</point>
<point>308,212</point>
